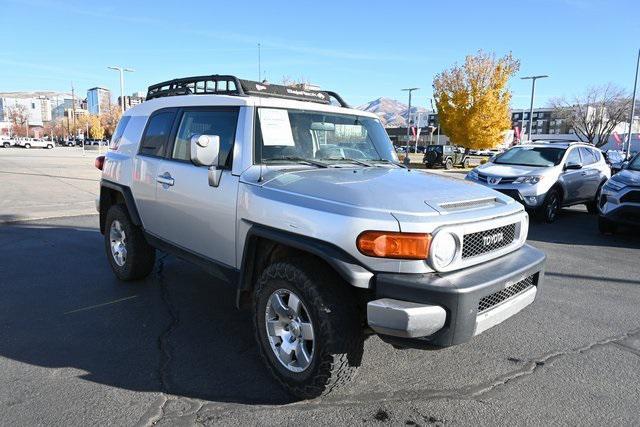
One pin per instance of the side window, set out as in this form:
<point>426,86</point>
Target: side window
<point>206,122</point>
<point>156,136</point>
<point>574,156</point>
<point>597,154</point>
<point>117,135</point>
<point>587,156</point>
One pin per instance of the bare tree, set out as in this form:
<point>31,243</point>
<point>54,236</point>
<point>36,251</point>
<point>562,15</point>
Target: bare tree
<point>594,115</point>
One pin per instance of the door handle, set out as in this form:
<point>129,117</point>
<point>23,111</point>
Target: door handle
<point>165,179</point>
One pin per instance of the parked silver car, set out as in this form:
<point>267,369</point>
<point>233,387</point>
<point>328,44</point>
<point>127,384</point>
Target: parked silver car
<point>620,199</point>
<point>545,176</point>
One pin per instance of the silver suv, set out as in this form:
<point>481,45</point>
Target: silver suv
<point>620,199</point>
<point>545,176</point>
<point>302,206</point>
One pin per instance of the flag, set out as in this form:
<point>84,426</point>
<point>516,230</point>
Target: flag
<point>617,138</point>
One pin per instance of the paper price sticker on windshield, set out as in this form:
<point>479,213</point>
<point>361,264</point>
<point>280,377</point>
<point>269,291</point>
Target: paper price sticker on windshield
<point>275,127</point>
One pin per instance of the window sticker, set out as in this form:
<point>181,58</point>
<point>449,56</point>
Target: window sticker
<point>275,127</point>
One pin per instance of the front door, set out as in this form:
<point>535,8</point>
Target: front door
<point>573,178</point>
<point>196,216</point>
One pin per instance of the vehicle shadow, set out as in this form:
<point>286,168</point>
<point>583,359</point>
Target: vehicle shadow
<point>176,332</point>
<point>574,226</point>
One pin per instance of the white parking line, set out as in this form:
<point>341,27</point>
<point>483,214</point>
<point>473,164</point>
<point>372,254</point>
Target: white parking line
<point>101,305</point>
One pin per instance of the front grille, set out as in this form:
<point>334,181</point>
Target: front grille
<point>514,194</point>
<point>503,180</point>
<point>631,197</point>
<point>496,298</point>
<point>481,242</point>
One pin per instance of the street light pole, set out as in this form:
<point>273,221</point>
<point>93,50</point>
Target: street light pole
<point>533,92</point>
<point>411,89</point>
<point>121,70</point>
<point>633,108</point>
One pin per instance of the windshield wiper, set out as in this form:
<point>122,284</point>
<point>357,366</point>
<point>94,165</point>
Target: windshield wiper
<point>347,159</point>
<point>297,159</point>
<point>391,162</point>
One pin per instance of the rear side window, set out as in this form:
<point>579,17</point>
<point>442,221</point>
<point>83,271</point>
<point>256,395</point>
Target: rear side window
<point>156,136</point>
<point>220,122</point>
<point>587,156</point>
<point>115,139</point>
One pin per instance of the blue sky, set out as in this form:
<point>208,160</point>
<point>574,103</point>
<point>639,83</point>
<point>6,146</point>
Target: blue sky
<point>363,49</point>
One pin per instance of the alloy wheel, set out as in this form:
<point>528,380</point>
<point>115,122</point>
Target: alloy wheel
<point>289,330</point>
<point>118,240</point>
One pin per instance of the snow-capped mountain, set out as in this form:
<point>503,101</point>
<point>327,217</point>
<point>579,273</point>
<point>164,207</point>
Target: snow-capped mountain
<point>392,113</point>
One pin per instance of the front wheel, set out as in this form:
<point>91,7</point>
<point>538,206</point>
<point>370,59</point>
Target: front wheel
<point>548,212</point>
<point>465,164</point>
<point>27,145</point>
<point>6,145</point>
<point>307,326</point>
<point>49,146</point>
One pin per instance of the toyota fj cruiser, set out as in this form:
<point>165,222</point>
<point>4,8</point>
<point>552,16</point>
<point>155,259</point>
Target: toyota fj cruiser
<point>294,200</point>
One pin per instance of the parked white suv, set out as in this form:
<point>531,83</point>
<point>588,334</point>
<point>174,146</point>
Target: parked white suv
<point>252,182</point>
<point>35,143</point>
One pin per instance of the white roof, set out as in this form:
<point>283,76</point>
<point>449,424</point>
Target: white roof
<point>148,107</point>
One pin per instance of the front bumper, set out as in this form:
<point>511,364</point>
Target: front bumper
<point>613,207</point>
<point>444,309</point>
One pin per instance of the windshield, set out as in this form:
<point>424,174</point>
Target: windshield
<point>531,156</point>
<point>634,164</point>
<point>318,138</point>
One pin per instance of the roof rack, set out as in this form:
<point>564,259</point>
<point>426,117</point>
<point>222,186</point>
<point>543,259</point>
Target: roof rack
<point>218,84</point>
<point>559,141</point>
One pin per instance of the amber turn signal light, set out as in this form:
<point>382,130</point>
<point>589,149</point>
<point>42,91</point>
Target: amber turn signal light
<point>388,244</point>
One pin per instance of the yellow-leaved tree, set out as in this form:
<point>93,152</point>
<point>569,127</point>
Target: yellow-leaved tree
<point>96,131</point>
<point>473,100</point>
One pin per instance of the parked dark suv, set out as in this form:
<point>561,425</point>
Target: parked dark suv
<point>447,156</point>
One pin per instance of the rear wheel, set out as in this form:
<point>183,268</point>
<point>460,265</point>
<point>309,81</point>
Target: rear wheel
<point>592,206</point>
<point>606,226</point>
<point>49,146</point>
<point>548,212</point>
<point>465,164</point>
<point>27,145</point>
<point>129,254</point>
<point>6,145</point>
<point>308,328</point>
<point>448,164</point>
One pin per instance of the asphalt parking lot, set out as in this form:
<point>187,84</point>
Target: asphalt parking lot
<point>79,347</point>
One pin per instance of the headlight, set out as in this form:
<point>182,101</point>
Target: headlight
<point>528,180</point>
<point>614,185</point>
<point>473,175</point>
<point>444,248</point>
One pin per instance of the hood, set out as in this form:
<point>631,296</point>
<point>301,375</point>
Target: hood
<point>385,189</point>
<point>628,177</point>
<point>509,170</point>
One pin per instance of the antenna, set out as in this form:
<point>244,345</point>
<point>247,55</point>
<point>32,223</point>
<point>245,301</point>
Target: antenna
<point>259,65</point>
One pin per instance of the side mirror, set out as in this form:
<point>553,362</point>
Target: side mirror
<point>573,166</point>
<point>624,165</point>
<point>205,151</point>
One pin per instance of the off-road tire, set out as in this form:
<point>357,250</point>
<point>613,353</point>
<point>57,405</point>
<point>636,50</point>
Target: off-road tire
<point>140,255</point>
<point>337,325</point>
<point>448,164</point>
<point>547,212</point>
<point>606,226</point>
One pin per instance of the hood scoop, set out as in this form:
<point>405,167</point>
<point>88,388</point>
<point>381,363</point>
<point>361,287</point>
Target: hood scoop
<point>470,204</point>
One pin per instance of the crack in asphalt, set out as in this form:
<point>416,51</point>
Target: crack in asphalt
<point>156,416</point>
<point>474,392</point>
